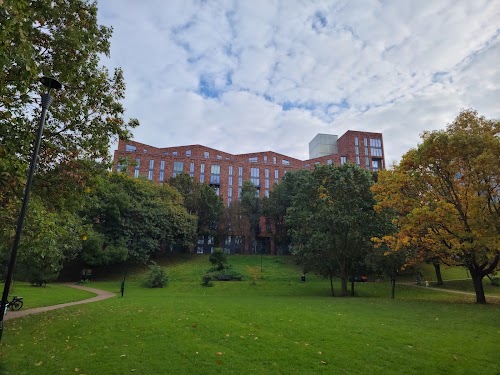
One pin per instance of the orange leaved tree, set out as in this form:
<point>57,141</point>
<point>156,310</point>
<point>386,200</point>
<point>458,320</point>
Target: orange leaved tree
<point>447,196</point>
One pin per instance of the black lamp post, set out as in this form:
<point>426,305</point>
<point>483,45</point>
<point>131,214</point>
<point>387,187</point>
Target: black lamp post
<point>50,83</point>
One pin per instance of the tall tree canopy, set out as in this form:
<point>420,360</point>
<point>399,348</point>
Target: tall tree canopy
<point>202,201</point>
<point>332,220</point>
<point>62,39</point>
<point>59,38</point>
<point>251,208</point>
<point>131,219</point>
<point>447,195</point>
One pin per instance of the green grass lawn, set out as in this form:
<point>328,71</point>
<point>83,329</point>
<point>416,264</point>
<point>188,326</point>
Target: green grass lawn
<point>271,325</point>
<point>51,294</point>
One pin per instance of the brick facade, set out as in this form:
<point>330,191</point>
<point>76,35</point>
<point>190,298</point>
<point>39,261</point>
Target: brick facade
<point>268,164</point>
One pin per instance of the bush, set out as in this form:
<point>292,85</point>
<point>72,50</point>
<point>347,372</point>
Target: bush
<point>495,281</point>
<point>156,277</point>
<point>206,280</point>
<point>218,259</point>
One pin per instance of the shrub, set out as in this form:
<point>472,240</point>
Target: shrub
<point>206,280</point>
<point>156,277</point>
<point>218,259</point>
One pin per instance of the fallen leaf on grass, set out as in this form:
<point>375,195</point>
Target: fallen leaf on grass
<point>39,363</point>
<point>323,362</point>
<point>219,353</point>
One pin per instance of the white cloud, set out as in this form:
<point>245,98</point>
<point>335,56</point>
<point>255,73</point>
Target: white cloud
<point>268,75</point>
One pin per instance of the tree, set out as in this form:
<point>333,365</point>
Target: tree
<point>59,38</point>
<point>332,220</point>
<point>202,201</point>
<point>49,238</point>
<point>276,206</point>
<point>132,219</point>
<point>251,210</point>
<point>447,195</point>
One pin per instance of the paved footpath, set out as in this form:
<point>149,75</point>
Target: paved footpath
<point>449,290</point>
<point>100,295</point>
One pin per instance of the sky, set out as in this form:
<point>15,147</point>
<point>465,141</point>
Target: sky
<point>268,75</point>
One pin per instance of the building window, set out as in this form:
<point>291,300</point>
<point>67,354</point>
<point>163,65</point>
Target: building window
<point>265,159</point>
<point>266,193</point>
<point>376,147</point>
<point>162,170</point>
<point>343,160</point>
<point>329,162</point>
<point>145,150</point>
<point>202,173</point>
<point>276,176</point>
<point>206,154</point>
<point>358,162</point>
<point>215,174</point>
<point>253,160</point>
<point>240,177</point>
<point>188,152</point>
<point>216,189</point>
<point>274,159</point>
<point>230,178</point>
<point>151,167</point>
<point>121,167</point>
<point>137,167</point>
<point>174,153</point>
<point>367,160</point>
<point>366,146</point>
<point>219,157</point>
<point>191,169</point>
<point>130,148</point>
<point>285,162</point>
<point>178,167</point>
<point>266,178</point>
<point>229,195</point>
<point>254,176</point>
<point>375,165</point>
<point>356,143</point>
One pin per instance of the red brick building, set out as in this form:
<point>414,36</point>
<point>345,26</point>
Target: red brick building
<point>226,172</point>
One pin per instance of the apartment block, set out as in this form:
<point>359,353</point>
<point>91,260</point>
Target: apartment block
<point>225,172</point>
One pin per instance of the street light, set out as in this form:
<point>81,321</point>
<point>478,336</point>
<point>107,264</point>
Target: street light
<point>50,83</point>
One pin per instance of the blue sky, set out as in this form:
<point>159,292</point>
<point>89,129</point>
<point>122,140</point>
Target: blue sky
<point>243,76</point>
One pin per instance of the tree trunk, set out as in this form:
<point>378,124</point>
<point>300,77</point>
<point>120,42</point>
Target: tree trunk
<point>477,279</point>
<point>393,287</point>
<point>331,285</point>
<point>343,286</point>
<point>439,278</point>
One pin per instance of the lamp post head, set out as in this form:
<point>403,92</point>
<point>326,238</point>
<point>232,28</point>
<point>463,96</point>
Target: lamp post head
<point>51,83</point>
